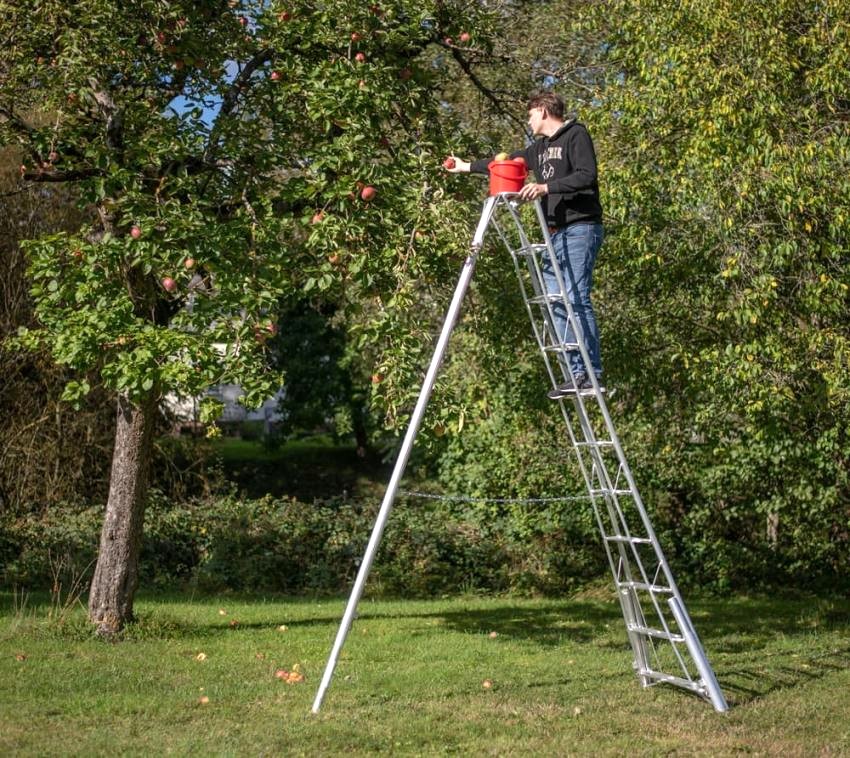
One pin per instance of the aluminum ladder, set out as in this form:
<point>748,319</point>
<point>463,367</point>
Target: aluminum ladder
<point>664,642</point>
<point>663,639</point>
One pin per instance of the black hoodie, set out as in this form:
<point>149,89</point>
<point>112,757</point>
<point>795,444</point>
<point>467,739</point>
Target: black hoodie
<point>566,163</point>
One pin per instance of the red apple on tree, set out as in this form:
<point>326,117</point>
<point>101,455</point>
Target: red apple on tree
<point>464,37</point>
<point>360,57</point>
<point>168,284</point>
<point>356,36</point>
<point>377,378</point>
<point>284,16</point>
<point>135,232</point>
<point>275,76</point>
<point>317,217</point>
<point>367,193</point>
<point>189,263</point>
<point>243,21</point>
<point>448,40</point>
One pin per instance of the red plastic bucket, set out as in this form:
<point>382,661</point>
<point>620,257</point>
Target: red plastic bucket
<point>507,176</point>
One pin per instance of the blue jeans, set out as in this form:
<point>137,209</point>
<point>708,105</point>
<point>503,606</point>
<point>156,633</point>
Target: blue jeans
<point>576,247</point>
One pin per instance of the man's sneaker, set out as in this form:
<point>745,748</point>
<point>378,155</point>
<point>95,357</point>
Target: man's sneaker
<point>582,383</point>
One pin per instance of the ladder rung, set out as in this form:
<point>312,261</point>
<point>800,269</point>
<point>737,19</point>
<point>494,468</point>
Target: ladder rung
<point>660,676</point>
<point>549,297</point>
<point>658,634</point>
<point>644,586</point>
<point>560,347</point>
<point>597,443</point>
<point>606,491</point>
<point>629,540</point>
<point>530,249</point>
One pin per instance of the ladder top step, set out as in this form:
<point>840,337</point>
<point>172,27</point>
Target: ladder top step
<point>659,634</point>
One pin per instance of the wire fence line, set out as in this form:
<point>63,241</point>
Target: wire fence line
<point>494,500</point>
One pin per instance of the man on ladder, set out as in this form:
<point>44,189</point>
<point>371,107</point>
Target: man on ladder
<point>564,163</point>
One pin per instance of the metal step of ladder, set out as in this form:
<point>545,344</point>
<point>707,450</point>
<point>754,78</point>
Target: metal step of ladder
<point>663,640</point>
<point>665,645</point>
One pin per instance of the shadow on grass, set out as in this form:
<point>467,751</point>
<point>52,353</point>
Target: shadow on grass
<point>757,646</point>
<point>738,635</point>
<point>779,671</point>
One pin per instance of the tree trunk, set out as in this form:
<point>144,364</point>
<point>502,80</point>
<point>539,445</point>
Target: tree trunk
<point>116,575</point>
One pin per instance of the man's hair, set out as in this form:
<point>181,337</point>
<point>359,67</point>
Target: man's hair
<point>552,103</point>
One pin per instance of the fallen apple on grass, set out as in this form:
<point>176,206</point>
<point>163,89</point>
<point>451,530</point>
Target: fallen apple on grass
<point>367,193</point>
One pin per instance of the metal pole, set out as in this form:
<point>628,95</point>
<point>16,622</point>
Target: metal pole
<point>404,453</point>
<point>715,694</point>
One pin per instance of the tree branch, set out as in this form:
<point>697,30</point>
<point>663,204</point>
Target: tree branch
<point>486,91</point>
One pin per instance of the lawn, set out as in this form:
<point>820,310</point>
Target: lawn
<point>196,675</point>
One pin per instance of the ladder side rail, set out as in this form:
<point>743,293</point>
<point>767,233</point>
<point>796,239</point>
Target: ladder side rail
<point>546,360</point>
<point>589,434</point>
<point>603,406</point>
<point>538,285</point>
<point>571,317</point>
<point>540,344</point>
<point>629,603</point>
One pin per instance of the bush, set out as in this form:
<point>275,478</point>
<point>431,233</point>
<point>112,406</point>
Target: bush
<point>284,545</point>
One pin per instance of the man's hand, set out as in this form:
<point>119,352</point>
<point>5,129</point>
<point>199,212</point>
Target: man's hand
<point>456,165</point>
<point>532,191</point>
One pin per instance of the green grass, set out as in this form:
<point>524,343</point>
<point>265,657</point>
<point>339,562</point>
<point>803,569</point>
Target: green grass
<point>410,680</point>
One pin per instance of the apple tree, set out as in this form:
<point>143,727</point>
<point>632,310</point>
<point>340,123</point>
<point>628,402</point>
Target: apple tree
<point>227,155</point>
